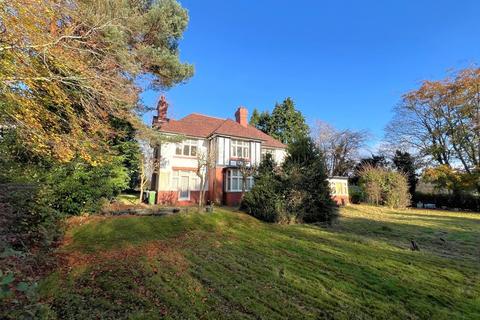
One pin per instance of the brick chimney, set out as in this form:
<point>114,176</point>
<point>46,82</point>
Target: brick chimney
<point>162,108</point>
<point>242,116</point>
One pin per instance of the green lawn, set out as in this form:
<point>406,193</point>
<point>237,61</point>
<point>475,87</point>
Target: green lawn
<point>229,265</point>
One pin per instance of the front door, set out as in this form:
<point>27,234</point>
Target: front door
<point>184,193</point>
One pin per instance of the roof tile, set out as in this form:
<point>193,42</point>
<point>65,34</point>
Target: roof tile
<point>198,125</point>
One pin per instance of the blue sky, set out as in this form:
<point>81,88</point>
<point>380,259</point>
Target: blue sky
<point>344,62</point>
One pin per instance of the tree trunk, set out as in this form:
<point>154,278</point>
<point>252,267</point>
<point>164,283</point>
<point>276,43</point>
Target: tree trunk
<point>142,180</point>
<point>202,192</point>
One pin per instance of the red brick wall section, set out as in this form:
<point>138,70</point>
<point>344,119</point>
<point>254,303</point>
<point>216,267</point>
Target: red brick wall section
<point>241,116</point>
<point>215,185</point>
<point>171,198</point>
<point>233,198</point>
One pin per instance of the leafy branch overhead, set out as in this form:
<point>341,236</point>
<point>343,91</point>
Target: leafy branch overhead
<point>67,67</point>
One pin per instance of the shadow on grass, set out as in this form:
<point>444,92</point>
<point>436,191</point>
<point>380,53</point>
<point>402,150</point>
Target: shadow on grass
<point>243,268</point>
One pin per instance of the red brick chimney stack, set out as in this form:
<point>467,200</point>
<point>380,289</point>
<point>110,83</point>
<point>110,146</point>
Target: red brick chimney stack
<point>162,108</point>
<point>242,116</point>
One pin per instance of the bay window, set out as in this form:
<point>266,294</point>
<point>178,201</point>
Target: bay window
<point>240,149</point>
<point>235,181</point>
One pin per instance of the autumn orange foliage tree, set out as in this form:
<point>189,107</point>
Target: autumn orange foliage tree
<point>441,121</point>
<point>67,67</point>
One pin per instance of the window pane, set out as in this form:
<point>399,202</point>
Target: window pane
<point>235,185</point>
<point>193,151</point>
<point>178,149</point>
<point>186,150</point>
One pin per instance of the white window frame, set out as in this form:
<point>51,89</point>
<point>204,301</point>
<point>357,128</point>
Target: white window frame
<point>240,149</point>
<point>187,148</point>
<point>235,175</point>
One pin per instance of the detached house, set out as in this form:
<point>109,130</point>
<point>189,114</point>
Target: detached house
<point>228,141</point>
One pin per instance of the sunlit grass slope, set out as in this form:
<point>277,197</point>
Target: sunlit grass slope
<point>229,265</point>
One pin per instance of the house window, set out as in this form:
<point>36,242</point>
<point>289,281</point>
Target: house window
<point>193,180</point>
<point>339,188</point>
<point>240,149</point>
<point>235,181</point>
<point>265,152</point>
<point>187,148</point>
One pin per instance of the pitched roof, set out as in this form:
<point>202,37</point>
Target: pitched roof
<point>198,125</point>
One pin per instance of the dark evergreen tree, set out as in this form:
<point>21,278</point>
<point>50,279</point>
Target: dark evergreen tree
<point>404,162</point>
<point>254,118</point>
<point>285,123</point>
<point>375,161</point>
<point>308,191</point>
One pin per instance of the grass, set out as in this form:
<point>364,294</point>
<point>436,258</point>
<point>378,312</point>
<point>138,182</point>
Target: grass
<point>229,265</point>
<point>128,198</point>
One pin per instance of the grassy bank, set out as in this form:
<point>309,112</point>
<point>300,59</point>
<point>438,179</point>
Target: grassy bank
<point>229,265</point>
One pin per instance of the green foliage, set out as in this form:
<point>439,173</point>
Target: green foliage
<point>298,191</point>
<point>463,200</point>
<point>265,201</point>
<point>384,187</point>
<point>285,123</point>
<point>228,265</point>
<point>125,144</point>
<point>80,187</point>
<point>308,193</point>
<point>404,162</point>
<point>456,181</point>
<point>69,66</point>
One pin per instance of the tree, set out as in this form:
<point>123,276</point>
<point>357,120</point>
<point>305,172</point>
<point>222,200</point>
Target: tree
<point>285,123</point>
<point>68,66</point>
<point>205,162</point>
<point>254,118</point>
<point>308,191</point>
<point>404,162</point>
<point>340,148</point>
<point>148,163</point>
<point>262,121</point>
<point>440,122</point>
<point>123,141</point>
<point>376,161</point>
<point>247,170</point>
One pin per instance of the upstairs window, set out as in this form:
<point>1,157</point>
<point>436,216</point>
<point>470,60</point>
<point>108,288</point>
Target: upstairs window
<point>187,148</point>
<point>240,149</point>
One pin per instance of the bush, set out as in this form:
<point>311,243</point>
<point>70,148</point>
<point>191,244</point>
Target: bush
<point>466,201</point>
<point>79,187</point>
<point>265,201</point>
<point>384,187</point>
<point>298,191</point>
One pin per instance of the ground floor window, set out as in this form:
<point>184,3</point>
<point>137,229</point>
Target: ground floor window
<point>235,181</point>
<point>184,182</point>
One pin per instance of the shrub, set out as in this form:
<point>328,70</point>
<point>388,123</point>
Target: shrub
<point>466,201</point>
<point>298,191</point>
<point>79,187</point>
<point>265,201</point>
<point>384,187</point>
